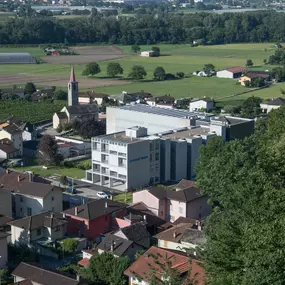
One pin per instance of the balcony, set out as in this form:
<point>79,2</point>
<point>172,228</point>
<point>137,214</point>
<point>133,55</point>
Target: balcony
<point>122,176</point>
<point>122,154</point>
<point>113,174</point>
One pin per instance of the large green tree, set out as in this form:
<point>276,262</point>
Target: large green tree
<point>91,68</point>
<point>159,73</point>
<point>114,69</point>
<point>138,72</point>
<point>245,182</point>
<point>30,88</point>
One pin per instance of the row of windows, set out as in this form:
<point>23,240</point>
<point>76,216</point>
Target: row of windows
<point>22,198</point>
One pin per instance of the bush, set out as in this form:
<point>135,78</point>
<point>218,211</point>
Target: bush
<point>170,76</point>
<point>180,74</point>
<point>69,245</point>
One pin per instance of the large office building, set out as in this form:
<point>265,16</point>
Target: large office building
<point>164,146</point>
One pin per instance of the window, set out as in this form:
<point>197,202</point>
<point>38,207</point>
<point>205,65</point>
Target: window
<point>157,156</point>
<point>29,211</point>
<point>180,210</point>
<point>21,199</point>
<point>57,229</point>
<point>151,157</point>
<point>21,209</point>
<point>39,232</point>
<point>52,198</point>
<point>157,145</point>
<point>151,146</point>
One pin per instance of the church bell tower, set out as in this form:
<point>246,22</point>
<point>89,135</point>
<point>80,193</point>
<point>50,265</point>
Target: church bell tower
<point>72,89</point>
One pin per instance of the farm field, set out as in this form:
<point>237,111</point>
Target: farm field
<point>175,58</point>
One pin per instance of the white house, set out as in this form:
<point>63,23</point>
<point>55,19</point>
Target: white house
<point>205,103</point>
<point>32,198</point>
<point>147,53</point>
<point>274,103</point>
<point>48,225</point>
<point>235,72</point>
<point>14,134</point>
<point>91,97</point>
<point>7,150</point>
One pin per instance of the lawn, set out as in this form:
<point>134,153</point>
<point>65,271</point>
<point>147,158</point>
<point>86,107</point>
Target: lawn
<point>176,58</point>
<point>62,171</point>
<point>124,198</point>
<point>34,51</point>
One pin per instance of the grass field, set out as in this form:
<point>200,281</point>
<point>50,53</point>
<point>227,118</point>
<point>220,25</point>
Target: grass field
<point>175,58</point>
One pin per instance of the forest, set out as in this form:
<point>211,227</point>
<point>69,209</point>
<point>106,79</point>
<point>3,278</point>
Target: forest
<point>208,28</point>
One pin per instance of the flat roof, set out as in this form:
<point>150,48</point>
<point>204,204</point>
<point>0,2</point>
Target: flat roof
<point>187,133</point>
<point>177,113</point>
<point>119,137</point>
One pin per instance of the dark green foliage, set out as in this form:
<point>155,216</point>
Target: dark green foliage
<point>91,68</point>
<point>256,82</point>
<point>159,73</point>
<point>278,57</point>
<point>251,107</point>
<point>114,69</point>
<point>107,269</point>
<point>89,127</point>
<point>138,72</point>
<point>60,94</point>
<point>208,68</point>
<point>135,48</point>
<point>156,51</point>
<point>246,178</point>
<point>69,245</point>
<point>180,74</point>
<point>30,88</point>
<point>9,96</point>
<point>278,73</point>
<point>249,63</point>
<point>259,26</point>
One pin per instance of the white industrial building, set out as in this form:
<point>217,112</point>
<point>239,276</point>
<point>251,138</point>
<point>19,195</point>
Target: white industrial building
<point>163,146</point>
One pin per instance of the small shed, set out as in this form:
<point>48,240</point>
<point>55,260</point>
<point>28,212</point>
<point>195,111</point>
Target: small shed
<point>147,53</point>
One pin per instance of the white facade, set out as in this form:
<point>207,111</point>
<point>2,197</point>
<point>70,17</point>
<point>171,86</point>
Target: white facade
<point>147,53</point>
<point>225,74</point>
<point>26,205</point>
<point>16,138</point>
<point>266,108</point>
<point>198,105</point>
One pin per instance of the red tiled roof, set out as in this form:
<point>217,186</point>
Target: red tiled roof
<point>238,69</point>
<point>84,262</point>
<point>142,267</point>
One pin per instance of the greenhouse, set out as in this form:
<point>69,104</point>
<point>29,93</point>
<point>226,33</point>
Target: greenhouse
<point>13,58</point>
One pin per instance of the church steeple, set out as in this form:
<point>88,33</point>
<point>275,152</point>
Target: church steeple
<point>72,89</point>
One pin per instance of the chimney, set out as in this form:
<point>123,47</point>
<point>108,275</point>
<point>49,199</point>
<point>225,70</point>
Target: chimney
<point>144,218</point>
<point>51,215</point>
<point>63,215</point>
<point>77,277</point>
<point>174,234</point>
<point>7,171</point>
<point>112,245</point>
<point>199,226</point>
<point>19,178</point>
<point>76,211</point>
<point>106,205</point>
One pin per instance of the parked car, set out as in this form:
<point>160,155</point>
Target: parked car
<point>102,195</point>
<point>71,190</point>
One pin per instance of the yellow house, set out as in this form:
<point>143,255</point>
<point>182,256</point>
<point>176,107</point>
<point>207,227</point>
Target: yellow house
<point>252,75</point>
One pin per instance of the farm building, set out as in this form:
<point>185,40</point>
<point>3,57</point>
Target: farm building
<point>147,53</point>
<point>248,77</point>
<point>235,72</point>
<point>14,58</point>
<point>205,103</point>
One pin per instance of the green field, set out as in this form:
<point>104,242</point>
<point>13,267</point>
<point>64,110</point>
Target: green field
<point>175,58</point>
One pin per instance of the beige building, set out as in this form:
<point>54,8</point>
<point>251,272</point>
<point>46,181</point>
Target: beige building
<point>91,98</point>
<point>13,133</point>
<point>48,226</point>
<point>147,53</point>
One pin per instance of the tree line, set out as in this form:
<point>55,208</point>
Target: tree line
<point>261,26</point>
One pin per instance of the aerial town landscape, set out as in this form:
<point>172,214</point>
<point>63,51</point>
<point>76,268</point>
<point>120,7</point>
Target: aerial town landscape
<point>142,142</point>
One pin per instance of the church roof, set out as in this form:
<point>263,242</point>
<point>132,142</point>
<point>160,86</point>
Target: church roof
<point>82,109</point>
<point>72,75</point>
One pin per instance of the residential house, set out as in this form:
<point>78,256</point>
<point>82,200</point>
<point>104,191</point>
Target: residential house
<point>233,73</point>
<point>44,226</point>
<point>206,104</point>
<point>14,133</point>
<point>154,224</point>
<point>165,101</point>
<point>91,97</point>
<point>274,103</point>
<point>147,53</point>
<point>118,246</point>
<point>32,198</point>
<point>183,200</point>
<point>150,265</point>
<point>5,203</point>
<point>86,256</point>
<point>7,150</point>
<point>3,249</point>
<point>40,93</point>
<point>251,75</point>
<point>181,237</point>
<point>94,218</point>
<point>28,274</point>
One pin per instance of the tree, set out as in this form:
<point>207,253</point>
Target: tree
<point>251,107</point>
<point>91,68</point>
<point>114,68</point>
<point>138,72</point>
<point>69,245</point>
<point>89,127</point>
<point>107,269</point>
<point>30,88</point>
<point>156,51</point>
<point>9,96</point>
<point>249,63</point>
<point>135,48</point>
<point>47,152</point>
<point>243,244</point>
<point>208,68</point>
<point>60,94</point>
<point>159,74</point>
<point>180,74</point>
